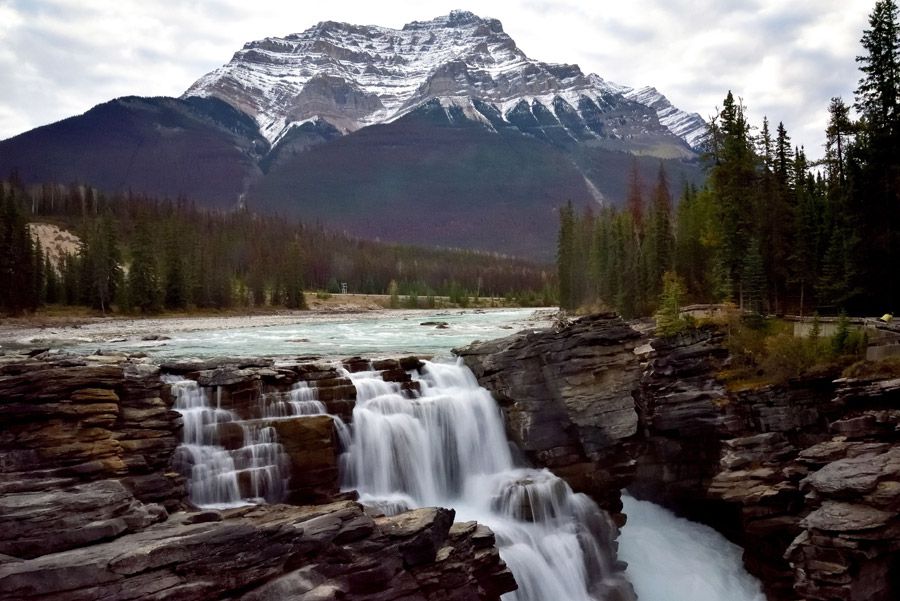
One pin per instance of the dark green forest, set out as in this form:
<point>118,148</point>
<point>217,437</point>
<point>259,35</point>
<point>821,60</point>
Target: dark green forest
<point>770,230</point>
<point>145,255</point>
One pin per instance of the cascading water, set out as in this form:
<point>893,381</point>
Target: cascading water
<point>300,400</point>
<point>447,447</point>
<point>250,472</point>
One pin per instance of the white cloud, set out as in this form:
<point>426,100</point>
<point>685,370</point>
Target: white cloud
<point>60,57</point>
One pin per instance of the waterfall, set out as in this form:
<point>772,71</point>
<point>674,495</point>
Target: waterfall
<point>228,461</point>
<point>299,400</point>
<point>446,446</point>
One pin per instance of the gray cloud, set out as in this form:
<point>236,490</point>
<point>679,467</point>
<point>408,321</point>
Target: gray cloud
<point>60,57</point>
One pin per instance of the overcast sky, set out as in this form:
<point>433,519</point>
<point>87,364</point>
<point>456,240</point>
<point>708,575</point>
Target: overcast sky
<point>785,59</point>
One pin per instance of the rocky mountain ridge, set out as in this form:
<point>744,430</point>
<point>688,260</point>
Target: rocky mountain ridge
<point>353,76</point>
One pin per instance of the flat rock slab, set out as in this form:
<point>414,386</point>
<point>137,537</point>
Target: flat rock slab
<point>835,516</point>
<point>856,475</point>
<point>272,552</point>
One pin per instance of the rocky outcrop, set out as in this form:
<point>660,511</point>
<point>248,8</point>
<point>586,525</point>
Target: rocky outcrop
<point>310,445</point>
<point>275,552</point>
<point>74,420</point>
<point>849,547</point>
<point>37,523</point>
<point>568,398</point>
<point>85,448</point>
<point>802,475</point>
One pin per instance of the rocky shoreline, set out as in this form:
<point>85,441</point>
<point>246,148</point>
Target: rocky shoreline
<point>804,476</point>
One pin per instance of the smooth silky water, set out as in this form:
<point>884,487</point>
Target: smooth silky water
<point>447,447</point>
<point>214,473</point>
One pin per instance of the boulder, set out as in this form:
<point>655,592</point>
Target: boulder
<point>310,444</point>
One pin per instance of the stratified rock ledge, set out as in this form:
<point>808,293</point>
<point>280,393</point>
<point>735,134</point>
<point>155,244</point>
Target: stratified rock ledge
<point>91,507</point>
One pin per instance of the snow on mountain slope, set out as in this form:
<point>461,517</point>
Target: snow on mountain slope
<point>688,126</point>
<point>355,76</point>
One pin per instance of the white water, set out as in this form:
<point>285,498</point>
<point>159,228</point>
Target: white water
<point>673,559</point>
<point>381,334</point>
<point>448,448</point>
<point>215,474</point>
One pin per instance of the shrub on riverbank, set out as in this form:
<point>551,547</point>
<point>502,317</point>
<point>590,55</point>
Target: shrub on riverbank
<point>766,351</point>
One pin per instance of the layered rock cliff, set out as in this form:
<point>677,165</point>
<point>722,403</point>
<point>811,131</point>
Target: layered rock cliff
<point>93,500</point>
<point>803,475</point>
<point>568,399</point>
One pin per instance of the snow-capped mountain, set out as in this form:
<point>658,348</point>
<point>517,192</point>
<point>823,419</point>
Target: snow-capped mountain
<point>353,76</point>
<point>440,133</point>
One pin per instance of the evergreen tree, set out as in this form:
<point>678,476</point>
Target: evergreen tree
<point>753,279</point>
<point>694,241</point>
<point>176,288</point>
<point>784,158</point>
<point>808,233</point>
<point>879,88</point>
<point>874,167</point>
<point>765,145</point>
<point>71,279</point>
<point>628,269</point>
<point>732,182</point>
<point>51,288</point>
<point>39,275</point>
<point>836,140</point>
<point>565,256</point>
<point>100,261</point>
<point>669,321</point>
<point>833,285</point>
<point>17,266</point>
<point>294,297</point>
<point>660,241</point>
<point>634,199</point>
<point>143,279</point>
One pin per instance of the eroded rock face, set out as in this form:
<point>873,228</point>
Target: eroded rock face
<point>849,547</point>
<point>312,450</point>
<point>568,398</point>
<point>803,475</point>
<point>67,421</point>
<point>38,523</point>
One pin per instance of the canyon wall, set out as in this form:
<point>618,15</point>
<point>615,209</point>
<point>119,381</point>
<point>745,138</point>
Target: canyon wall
<point>803,475</point>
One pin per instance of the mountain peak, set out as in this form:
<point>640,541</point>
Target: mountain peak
<point>456,19</point>
<point>355,76</point>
